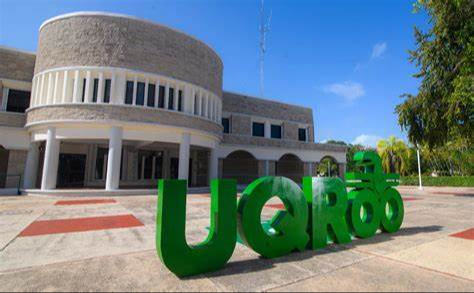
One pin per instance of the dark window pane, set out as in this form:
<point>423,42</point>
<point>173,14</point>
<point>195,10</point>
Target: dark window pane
<point>140,94</point>
<point>83,90</point>
<point>180,101</point>
<point>18,101</point>
<point>151,95</point>
<point>258,129</point>
<point>276,131</point>
<point>171,99</point>
<point>196,109</point>
<point>159,165</point>
<point>302,134</point>
<point>100,163</point>
<point>129,93</point>
<point>96,90</point>
<point>226,124</point>
<point>161,101</point>
<point>108,84</point>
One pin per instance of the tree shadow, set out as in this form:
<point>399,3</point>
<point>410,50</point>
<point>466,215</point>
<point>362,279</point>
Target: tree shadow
<point>263,264</point>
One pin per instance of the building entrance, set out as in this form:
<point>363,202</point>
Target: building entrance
<point>71,170</point>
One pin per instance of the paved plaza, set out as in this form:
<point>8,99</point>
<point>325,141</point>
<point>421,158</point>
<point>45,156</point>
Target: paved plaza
<point>108,244</point>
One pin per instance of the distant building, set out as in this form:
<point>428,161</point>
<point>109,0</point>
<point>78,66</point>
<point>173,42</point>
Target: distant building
<point>111,101</point>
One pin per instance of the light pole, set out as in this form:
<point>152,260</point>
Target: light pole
<point>419,168</point>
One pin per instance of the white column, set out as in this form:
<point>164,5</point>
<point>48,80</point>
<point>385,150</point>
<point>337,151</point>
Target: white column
<point>267,168</point>
<point>65,87</point>
<point>75,96</point>
<point>100,92</point>
<point>147,82</point>
<point>114,158</point>
<point>192,100</point>
<point>113,91</point>
<point>310,166</point>
<point>87,94</point>
<point>184,152</point>
<point>176,97</point>
<point>41,91</point>
<point>56,89</point>
<point>51,160</point>
<point>268,129</point>
<point>206,105</point>
<point>135,83</point>
<point>49,96</point>
<point>213,165</point>
<point>157,93</point>
<point>167,94</point>
<point>199,103</point>
<point>31,168</point>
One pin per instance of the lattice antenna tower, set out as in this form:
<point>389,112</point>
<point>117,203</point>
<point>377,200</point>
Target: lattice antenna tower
<point>264,30</point>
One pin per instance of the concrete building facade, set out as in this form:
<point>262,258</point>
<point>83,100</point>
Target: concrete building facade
<point>114,102</point>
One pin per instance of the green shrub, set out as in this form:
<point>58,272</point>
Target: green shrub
<point>454,181</point>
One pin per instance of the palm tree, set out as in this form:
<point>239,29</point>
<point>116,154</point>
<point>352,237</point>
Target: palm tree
<point>395,155</point>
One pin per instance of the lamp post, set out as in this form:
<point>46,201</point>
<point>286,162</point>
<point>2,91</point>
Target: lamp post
<point>419,168</point>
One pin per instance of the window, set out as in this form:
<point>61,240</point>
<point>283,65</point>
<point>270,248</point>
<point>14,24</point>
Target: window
<point>302,134</point>
<point>83,89</point>
<point>140,94</point>
<point>108,84</point>
<point>96,90</point>
<point>161,101</point>
<point>258,129</point>
<point>129,93</point>
<point>101,164</point>
<point>196,109</point>
<point>151,95</point>
<point>18,101</point>
<point>180,101</point>
<point>150,165</point>
<point>276,131</point>
<point>226,124</point>
<point>171,99</point>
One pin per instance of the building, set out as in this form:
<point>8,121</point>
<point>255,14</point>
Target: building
<point>114,102</point>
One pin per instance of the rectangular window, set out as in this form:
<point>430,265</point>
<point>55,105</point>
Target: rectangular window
<point>146,167</point>
<point>84,89</point>
<point>161,101</point>
<point>226,125</point>
<point>302,134</point>
<point>151,95</point>
<point>140,94</point>
<point>18,101</point>
<point>196,109</point>
<point>108,84</point>
<point>276,131</point>
<point>96,90</point>
<point>180,101</point>
<point>171,99</point>
<point>101,164</point>
<point>258,129</point>
<point>129,93</point>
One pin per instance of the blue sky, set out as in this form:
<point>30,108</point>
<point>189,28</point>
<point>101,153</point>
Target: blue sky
<point>345,59</point>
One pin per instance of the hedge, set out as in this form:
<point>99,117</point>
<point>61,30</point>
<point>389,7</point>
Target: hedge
<point>450,181</point>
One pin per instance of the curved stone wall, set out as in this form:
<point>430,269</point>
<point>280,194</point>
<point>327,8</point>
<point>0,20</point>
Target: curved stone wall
<point>108,40</point>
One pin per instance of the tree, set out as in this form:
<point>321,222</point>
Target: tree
<point>395,155</point>
<point>443,109</point>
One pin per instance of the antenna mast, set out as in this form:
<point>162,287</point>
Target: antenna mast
<point>264,29</point>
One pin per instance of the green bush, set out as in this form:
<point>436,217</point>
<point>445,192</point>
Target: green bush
<point>454,181</point>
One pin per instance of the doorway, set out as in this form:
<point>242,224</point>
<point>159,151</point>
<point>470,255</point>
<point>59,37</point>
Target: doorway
<point>71,170</point>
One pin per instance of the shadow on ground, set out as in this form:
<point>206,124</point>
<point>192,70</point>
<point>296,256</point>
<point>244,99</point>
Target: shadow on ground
<point>262,264</point>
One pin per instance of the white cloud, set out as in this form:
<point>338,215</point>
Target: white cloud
<point>378,50</point>
<point>349,90</point>
<point>367,140</point>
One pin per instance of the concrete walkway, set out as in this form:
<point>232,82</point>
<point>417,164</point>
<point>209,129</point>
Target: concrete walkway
<point>107,244</point>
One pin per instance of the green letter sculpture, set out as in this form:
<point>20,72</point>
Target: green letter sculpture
<point>389,201</point>
<point>171,244</point>
<point>328,200</point>
<point>290,225</point>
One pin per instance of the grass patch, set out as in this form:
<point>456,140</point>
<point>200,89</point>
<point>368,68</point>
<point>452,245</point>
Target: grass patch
<point>450,181</point>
